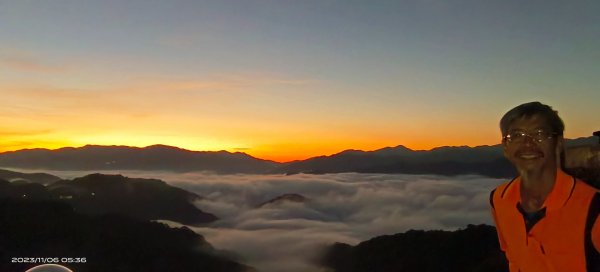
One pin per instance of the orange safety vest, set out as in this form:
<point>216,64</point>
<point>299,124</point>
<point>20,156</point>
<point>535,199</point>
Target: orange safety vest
<point>562,239</point>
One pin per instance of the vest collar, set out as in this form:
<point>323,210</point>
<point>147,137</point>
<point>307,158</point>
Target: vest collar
<point>556,199</point>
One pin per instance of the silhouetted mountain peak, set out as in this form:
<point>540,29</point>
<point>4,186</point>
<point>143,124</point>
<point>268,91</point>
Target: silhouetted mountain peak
<point>164,147</point>
<point>147,199</point>
<point>349,152</point>
<point>391,151</point>
<point>155,157</point>
<point>581,141</point>
<point>296,198</point>
<point>458,147</point>
<point>104,180</point>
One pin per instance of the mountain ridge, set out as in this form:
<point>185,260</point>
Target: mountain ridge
<point>486,160</point>
<point>474,248</point>
<point>155,157</point>
<point>141,198</point>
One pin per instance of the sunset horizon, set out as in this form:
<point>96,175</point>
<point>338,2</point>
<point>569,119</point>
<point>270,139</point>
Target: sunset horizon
<point>268,135</point>
<point>289,80</point>
<point>281,156</point>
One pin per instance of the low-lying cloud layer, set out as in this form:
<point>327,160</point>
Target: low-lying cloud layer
<point>347,208</point>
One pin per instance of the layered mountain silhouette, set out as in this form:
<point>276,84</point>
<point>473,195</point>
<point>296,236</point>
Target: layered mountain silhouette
<point>104,222</point>
<point>474,248</point>
<point>96,194</point>
<point>481,160</point>
<point>449,160</point>
<point>156,157</point>
<point>99,243</point>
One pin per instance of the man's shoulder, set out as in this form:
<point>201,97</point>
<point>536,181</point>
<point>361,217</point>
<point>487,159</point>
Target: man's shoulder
<point>504,185</point>
<point>501,190</point>
<point>578,182</point>
<point>582,185</point>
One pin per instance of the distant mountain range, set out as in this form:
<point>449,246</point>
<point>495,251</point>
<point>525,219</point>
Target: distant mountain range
<point>448,160</point>
<point>481,160</point>
<point>156,157</point>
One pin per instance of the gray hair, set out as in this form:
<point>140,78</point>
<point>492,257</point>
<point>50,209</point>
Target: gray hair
<point>528,110</point>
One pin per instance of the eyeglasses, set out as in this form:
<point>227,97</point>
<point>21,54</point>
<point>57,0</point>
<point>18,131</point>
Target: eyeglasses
<point>518,136</point>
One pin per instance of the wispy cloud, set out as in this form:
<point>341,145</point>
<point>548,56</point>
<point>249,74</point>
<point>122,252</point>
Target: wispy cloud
<point>25,62</point>
<point>141,97</point>
<point>18,138</point>
<point>191,109</point>
<point>12,145</point>
<point>11,132</point>
<point>218,82</point>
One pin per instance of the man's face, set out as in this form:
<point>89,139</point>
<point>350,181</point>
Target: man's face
<point>532,151</point>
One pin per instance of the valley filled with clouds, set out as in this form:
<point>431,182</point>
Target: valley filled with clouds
<point>288,235</point>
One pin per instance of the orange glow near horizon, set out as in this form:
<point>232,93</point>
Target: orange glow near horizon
<point>256,120</point>
<point>269,148</point>
<point>279,153</point>
<point>246,84</point>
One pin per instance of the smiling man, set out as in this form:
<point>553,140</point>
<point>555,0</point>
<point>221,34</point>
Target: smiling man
<point>546,219</point>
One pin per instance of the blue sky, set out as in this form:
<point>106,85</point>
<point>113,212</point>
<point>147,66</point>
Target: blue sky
<point>291,79</point>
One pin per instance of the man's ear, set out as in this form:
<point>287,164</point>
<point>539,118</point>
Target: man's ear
<point>560,151</point>
<point>504,148</point>
<point>560,144</point>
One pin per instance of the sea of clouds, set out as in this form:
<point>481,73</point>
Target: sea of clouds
<point>347,207</point>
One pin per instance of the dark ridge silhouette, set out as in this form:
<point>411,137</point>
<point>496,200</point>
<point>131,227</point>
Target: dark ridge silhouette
<point>41,178</point>
<point>284,198</point>
<point>146,199</point>
<point>474,248</point>
<point>483,160</point>
<point>156,157</point>
<point>584,163</point>
<point>114,243</point>
<point>25,191</point>
<point>449,161</point>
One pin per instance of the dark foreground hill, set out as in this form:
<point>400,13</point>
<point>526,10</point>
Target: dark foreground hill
<point>468,250</point>
<point>145,199</point>
<point>52,230</point>
<point>285,198</point>
<point>41,178</point>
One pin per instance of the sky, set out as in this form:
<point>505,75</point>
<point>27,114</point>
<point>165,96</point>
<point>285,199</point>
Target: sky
<point>290,79</point>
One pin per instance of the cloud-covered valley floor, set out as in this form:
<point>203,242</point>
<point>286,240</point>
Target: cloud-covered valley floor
<point>348,207</point>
